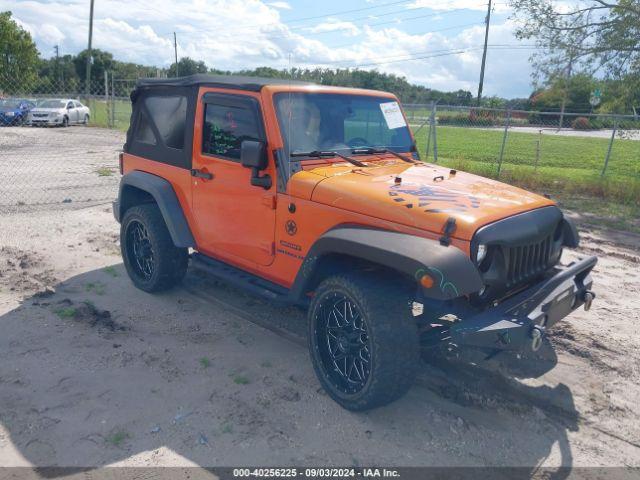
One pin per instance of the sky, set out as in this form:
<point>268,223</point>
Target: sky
<point>435,43</point>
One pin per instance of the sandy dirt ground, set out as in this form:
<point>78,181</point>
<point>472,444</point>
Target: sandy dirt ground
<point>94,372</point>
<point>57,166</point>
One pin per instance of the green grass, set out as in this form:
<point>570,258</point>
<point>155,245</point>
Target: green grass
<point>117,438</point>
<point>100,112</point>
<point>205,362</point>
<point>241,380</point>
<point>564,164</point>
<point>111,270</point>
<point>105,172</point>
<point>96,287</point>
<point>66,312</point>
<point>227,428</point>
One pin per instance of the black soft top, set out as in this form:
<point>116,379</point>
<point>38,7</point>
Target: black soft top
<point>253,84</point>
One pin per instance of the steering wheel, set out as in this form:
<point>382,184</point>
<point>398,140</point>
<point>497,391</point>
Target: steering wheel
<point>356,142</point>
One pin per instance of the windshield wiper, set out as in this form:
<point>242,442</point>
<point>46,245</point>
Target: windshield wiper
<point>328,154</point>
<point>374,151</point>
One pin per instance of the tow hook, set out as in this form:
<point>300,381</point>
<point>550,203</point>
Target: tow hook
<point>588,300</point>
<point>536,337</point>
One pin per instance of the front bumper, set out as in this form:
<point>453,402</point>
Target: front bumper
<point>520,321</point>
<point>45,121</point>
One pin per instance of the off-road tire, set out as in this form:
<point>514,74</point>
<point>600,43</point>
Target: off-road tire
<point>392,337</point>
<point>169,262</point>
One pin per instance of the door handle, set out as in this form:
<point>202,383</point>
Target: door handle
<point>201,174</point>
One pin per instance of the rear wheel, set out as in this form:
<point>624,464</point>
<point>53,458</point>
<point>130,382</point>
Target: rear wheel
<point>152,261</point>
<point>363,340</point>
<point>86,120</point>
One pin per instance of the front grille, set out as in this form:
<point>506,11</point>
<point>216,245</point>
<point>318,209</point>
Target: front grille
<point>527,261</point>
<point>41,115</point>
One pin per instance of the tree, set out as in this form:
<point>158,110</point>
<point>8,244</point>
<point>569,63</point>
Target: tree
<point>18,56</point>
<point>101,61</point>
<point>187,66</point>
<point>574,92</point>
<point>593,36</point>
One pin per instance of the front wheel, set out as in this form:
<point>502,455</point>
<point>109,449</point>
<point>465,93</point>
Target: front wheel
<point>363,340</point>
<point>152,261</point>
<point>65,122</point>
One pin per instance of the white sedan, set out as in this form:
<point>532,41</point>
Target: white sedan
<point>62,112</point>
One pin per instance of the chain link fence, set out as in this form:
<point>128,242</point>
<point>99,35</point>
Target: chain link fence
<point>78,165</point>
<point>565,147</point>
<point>72,159</point>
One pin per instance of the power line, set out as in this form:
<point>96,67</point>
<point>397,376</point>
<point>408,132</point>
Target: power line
<point>387,14</point>
<point>315,17</point>
<point>425,52</point>
<point>453,27</point>
<point>444,53</point>
<point>401,20</point>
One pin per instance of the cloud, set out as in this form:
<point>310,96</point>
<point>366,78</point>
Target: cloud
<point>280,5</point>
<point>243,34</point>
<point>332,25</point>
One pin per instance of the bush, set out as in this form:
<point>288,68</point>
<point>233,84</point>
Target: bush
<point>581,123</point>
<point>464,119</point>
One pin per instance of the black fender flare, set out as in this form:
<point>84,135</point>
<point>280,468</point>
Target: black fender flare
<point>166,199</point>
<point>452,271</point>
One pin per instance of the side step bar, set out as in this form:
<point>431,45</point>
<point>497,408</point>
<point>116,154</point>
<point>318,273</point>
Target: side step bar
<point>253,284</point>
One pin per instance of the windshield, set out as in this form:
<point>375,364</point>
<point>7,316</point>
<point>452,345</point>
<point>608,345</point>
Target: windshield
<point>321,121</point>
<point>53,104</point>
<point>9,103</point>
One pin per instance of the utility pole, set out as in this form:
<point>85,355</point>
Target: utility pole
<point>57,50</point>
<point>484,52</point>
<point>87,87</point>
<point>175,50</point>
<point>565,93</point>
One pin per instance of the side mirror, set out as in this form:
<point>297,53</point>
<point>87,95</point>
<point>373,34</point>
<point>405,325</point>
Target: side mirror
<point>253,155</point>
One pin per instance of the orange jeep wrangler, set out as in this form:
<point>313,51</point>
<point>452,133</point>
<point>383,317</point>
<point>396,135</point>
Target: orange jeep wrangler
<point>316,196</point>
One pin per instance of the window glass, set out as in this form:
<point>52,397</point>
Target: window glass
<point>169,114</point>
<point>323,121</point>
<point>70,105</point>
<point>77,104</point>
<point>53,104</point>
<point>226,126</point>
<point>144,133</point>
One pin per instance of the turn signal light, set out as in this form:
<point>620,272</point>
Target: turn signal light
<point>426,281</point>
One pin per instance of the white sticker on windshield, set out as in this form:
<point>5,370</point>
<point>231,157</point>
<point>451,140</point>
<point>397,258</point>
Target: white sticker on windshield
<point>393,115</point>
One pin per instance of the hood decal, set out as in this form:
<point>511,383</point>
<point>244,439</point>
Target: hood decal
<point>424,196</point>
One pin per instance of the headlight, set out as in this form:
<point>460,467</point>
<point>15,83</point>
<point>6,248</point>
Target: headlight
<point>482,252</point>
<point>10,114</point>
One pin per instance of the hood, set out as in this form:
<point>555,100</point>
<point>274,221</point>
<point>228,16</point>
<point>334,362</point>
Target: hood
<point>422,196</point>
<point>9,109</point>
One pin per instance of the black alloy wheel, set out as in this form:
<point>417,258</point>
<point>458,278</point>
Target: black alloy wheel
<point>152,260</point>
<point>343,343</point>
<point>363,340</point>
<point>140,250</point>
